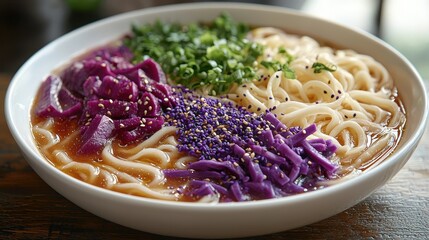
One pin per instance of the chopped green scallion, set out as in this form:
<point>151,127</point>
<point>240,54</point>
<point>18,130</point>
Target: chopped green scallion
<point>319,67</point>
<point>215,55</point>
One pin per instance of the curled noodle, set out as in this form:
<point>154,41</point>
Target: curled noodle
<point>349,105</point>
<point>136,170</point>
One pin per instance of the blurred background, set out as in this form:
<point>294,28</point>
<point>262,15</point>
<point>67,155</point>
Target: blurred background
<point>28,25</point>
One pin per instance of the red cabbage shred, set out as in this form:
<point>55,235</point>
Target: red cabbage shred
<point>245,155</point>
<point>110,96</point>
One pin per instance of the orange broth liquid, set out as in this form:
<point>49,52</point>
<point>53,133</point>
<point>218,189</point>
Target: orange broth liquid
<point>64,128</point>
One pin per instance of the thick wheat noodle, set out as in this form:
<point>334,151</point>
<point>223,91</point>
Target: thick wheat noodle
<point>182,162</point>
<point>152,141</point>
<point>151,155</point>
<point>142,190</point>
<point>120,175</point>
<point>133,168</point>
<point>44,129</point>
<point>85,171</point>
<point>348,105</point>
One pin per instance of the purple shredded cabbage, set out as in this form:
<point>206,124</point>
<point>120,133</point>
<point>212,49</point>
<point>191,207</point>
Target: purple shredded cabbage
<point>110,96</point>
<point>250,156</point>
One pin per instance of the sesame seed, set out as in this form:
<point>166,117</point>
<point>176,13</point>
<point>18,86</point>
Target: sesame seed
<point>210,129</point>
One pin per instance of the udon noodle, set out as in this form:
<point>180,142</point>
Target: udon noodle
<point>356,107</point>
<point>135,170</point>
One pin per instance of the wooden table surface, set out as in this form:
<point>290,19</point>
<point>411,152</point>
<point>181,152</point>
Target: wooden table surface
<point>30,209</point>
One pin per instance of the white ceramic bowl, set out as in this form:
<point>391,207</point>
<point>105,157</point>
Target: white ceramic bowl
<point>227,219</point>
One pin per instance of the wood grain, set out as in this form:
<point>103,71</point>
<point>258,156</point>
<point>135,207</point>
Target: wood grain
<point>30,209</point>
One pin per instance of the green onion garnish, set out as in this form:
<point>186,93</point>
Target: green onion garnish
<point>319,67</point>
<point>213,56</point>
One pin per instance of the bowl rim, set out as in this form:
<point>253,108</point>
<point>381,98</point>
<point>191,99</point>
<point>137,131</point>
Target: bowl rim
<point>37,158</point>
